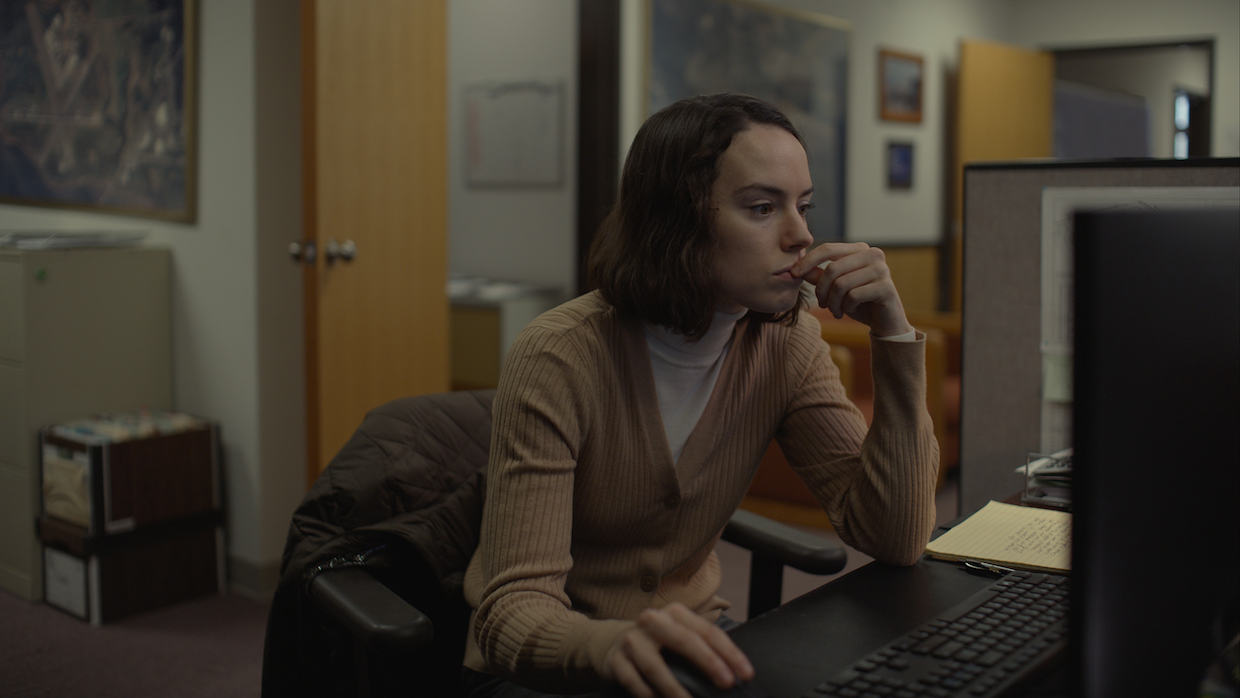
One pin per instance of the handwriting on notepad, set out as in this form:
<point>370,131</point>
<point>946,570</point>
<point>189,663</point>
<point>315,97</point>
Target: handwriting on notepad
<point>1007,534</point>
<point>1039,537</point>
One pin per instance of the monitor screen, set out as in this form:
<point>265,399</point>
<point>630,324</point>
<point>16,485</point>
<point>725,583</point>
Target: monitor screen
<point>1156,431</point>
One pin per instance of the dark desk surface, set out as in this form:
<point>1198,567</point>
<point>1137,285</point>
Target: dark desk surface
<point>800,644</point>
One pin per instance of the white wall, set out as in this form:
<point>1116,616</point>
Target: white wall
<point>236,298</point>
<point>1073,24</point>
<point>518,233</point>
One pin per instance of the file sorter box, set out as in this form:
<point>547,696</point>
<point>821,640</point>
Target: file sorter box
<point>103,578</point>
<point>114,474</point>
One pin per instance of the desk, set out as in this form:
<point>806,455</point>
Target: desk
<point>798,645</point>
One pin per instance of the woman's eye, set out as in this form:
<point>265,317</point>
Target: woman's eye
<point>764,209</point>
<point>805,209</point>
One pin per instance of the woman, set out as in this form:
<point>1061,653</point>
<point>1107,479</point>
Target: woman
<point>629,422</point>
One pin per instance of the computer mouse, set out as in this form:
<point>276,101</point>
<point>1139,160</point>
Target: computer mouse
<point>700,686</point>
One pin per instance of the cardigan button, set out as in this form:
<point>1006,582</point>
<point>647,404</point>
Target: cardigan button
<point>649,583</point>
<point>672,501</point>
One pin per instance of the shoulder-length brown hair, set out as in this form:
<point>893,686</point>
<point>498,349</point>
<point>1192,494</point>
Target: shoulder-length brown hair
<point>654,254</point>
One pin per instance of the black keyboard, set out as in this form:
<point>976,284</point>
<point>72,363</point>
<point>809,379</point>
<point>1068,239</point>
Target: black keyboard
<point>978,649</point>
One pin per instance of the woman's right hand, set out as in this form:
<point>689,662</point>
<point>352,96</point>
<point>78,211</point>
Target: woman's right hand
<point>634,662</point>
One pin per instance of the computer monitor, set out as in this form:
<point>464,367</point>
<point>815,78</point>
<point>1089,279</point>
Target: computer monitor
<point>1156,430</point>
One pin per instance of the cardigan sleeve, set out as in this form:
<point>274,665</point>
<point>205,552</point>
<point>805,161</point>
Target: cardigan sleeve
<point>877,486</point>
<point>525,624</point>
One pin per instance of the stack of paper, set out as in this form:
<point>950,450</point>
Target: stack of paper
<point>1048,480</point>
<point>115,428</point>
<point>1012,536</point>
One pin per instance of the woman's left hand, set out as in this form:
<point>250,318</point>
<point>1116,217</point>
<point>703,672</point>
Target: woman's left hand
<point>856,282</point>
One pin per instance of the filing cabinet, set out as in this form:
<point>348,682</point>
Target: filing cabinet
<point>82,331</point>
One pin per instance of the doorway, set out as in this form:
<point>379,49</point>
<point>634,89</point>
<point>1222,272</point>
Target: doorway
<point>1106,96</point>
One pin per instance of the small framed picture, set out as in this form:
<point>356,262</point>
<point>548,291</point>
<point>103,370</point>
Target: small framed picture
<point>899,86</point>
<point>899,165</point>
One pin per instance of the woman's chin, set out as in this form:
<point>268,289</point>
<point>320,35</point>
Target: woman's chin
<point>775,307</point>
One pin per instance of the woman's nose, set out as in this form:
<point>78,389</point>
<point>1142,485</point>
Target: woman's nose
<point>797,235</point>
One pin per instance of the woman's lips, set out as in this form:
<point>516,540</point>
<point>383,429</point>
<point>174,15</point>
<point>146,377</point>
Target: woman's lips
<point>786,274</point>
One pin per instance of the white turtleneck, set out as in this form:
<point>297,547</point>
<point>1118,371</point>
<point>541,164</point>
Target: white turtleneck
<point>685,373</point>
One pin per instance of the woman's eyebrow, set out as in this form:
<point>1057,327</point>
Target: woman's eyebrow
<point>769,189</point>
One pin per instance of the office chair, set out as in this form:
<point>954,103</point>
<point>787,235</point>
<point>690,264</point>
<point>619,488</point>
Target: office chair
<point>370,599</point>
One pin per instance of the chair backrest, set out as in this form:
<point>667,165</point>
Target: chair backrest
<point>415,469</point>
<point>404,493</point>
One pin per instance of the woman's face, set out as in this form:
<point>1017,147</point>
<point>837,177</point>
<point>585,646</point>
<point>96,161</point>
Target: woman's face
<point>759,202</point>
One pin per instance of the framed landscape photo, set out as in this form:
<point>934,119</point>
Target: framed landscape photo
<point>97,106</point>
<point>899,86</point>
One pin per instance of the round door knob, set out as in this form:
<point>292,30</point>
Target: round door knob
<point>302,251</point>
<point>346,250</point>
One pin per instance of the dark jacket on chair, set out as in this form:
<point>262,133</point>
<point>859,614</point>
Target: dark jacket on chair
<point>402,497</point>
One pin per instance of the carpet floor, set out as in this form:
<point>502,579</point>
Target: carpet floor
<point>207,648</point>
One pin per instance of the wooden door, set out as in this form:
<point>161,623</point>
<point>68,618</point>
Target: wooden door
<point>374,142</point>
<point>1005,104</point>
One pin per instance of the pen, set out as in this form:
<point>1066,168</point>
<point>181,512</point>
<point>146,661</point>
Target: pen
<point>977,566</point>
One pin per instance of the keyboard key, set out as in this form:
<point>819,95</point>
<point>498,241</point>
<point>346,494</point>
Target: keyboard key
<point>990,658</point>
<point>930,645</point>
<point>948,649</point>
<point>904,645</point>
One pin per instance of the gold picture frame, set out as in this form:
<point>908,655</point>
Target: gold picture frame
<point>899,86</point>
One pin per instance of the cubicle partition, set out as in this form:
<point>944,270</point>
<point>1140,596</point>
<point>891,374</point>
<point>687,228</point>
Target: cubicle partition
<point>1015,374</point>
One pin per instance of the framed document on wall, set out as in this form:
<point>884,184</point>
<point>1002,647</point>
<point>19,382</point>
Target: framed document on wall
<point>514,134</point>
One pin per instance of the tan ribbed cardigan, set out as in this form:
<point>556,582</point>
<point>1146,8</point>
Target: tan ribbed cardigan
<point>588,521</point>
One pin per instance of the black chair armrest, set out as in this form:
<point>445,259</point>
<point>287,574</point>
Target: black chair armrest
<point>785,544</point>
<point>370,611</point>
<point>774,545</point>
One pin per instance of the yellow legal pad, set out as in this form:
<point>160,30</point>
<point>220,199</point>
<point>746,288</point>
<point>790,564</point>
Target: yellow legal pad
<point>1013,536</point>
